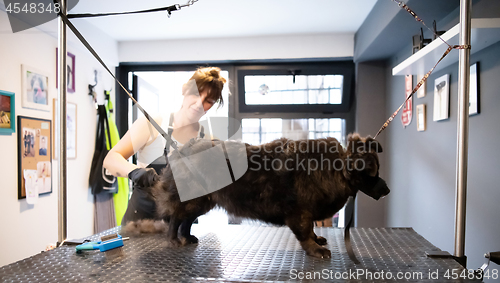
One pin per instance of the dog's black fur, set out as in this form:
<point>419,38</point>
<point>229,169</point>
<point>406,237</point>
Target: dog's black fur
<point>294,198</point>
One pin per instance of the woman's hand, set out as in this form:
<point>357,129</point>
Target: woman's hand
<point>143,178</point>
<point>136,138</point>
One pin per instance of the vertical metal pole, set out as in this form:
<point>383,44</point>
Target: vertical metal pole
<point>463,130</point>
<point>61,105</point>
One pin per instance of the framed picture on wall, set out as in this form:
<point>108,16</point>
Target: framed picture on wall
<point>421,118</point>
<point>473,91</point>
<point>70,129</point>
<point>70,74</point>
<point>7,113</point>
<point>35,89</point>
<point>34,150</point>
<point>441,98</point>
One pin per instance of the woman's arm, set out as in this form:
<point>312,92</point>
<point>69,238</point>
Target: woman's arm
<point>135,138</point>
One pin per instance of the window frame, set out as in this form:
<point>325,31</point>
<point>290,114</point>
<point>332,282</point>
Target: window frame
<point>344,68</point>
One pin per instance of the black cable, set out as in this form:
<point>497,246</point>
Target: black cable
<point>169,9</point>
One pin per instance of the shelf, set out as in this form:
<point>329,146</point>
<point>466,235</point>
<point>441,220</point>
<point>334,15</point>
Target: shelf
<point>484,32</point>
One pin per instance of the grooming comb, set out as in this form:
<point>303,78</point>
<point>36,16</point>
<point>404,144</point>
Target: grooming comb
<point>111,245</point>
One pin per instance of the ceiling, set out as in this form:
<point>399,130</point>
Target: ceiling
<point>226,18</point>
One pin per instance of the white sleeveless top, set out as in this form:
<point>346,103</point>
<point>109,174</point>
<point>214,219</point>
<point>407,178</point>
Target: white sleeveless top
<point>154,147</point>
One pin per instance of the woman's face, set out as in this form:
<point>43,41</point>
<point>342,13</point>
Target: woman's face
<point>196,105</point>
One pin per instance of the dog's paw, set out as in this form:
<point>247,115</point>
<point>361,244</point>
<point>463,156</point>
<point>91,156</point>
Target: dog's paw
<point>190,239</point>
<point>320,241</point>
<point>319,252</point>
<point>174,243</point>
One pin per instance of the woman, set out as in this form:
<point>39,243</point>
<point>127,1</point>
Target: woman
<point>201,92</point>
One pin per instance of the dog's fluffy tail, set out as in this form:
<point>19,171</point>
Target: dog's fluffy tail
<point>145,226</point>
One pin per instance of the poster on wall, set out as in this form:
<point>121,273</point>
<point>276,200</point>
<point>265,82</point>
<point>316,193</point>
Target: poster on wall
<point>407,113</point>
<point>70,129</point>
<point>34,150</point>
<point>35,89</point>
<point>441,98</point>
<point>70,71</point>
<point>421,118</point>
<point>7,113</point>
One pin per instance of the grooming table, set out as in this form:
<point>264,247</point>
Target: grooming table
<point>240,253</point>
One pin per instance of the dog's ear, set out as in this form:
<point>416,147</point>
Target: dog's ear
<point>354,143</point>
<point>357,144</point>
<point>373,145</point>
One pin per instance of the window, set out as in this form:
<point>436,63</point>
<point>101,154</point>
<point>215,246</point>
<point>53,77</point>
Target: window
<point>315,89</point>
<point>258,131</point>
<point>306,88</point>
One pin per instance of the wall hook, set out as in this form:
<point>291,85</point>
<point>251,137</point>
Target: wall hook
<point>91,87</point>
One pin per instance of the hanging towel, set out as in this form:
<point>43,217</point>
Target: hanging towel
<point>102,184</point>
<point>121,197</point>
<point>100,181</point>
<point>104,217</point>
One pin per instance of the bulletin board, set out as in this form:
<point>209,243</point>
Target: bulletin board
<point>34,137</point>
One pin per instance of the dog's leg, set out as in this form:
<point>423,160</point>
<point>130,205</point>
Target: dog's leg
<point>302,227</point>
<point>185,232</point>
<point>173,227</point>
<point>319,240</point>
<point>197,208</point>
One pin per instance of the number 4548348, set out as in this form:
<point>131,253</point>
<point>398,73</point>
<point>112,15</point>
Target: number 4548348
<point>470,274</point>
<point>32,8</point>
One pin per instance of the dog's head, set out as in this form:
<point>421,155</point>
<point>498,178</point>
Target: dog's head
<point>362,166</point>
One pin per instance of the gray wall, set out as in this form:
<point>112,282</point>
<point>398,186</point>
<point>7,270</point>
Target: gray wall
<point>421,166</point>
<point>370,115</point>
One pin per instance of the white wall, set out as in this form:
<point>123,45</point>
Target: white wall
<point>27,229</point>
<point>244,48</point>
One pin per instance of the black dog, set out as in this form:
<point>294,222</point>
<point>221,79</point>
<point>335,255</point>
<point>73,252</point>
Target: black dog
<point>314,181</point>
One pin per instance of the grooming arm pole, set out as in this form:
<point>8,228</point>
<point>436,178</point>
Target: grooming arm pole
<point>462,131</point>
<point>61,105</point>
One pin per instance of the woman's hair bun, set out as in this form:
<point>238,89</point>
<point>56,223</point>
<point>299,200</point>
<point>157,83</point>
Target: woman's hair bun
<point>209,78</point>
<point>215,72</point>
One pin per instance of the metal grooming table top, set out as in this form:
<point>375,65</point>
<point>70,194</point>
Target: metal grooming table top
<point>241,253</point>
